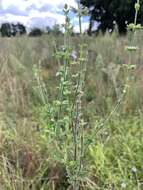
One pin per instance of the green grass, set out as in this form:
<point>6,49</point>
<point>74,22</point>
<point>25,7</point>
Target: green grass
<point>114,156</point>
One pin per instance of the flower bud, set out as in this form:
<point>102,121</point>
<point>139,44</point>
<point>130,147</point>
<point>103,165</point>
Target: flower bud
<point>137,6</point>
<point>66,8</point>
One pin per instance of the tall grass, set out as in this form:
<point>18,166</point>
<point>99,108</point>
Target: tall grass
<point>32,154</point>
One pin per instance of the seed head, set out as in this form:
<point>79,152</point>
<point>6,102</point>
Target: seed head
<point>66,9</point>
<point>137,6</point>
<point>123,185</point>
<point>134,169</point>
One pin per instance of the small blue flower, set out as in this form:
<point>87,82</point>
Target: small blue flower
<point>74,55</point>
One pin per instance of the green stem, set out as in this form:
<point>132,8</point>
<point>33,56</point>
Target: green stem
<point>79,17</point>
<point>65,72</point>
<point>136,13</point>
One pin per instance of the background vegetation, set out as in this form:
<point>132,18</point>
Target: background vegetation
<point>114,157</point>
<point>71,109</point>
<point>109,12</point>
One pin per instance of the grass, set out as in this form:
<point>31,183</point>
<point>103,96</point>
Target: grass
<point>114,150</point>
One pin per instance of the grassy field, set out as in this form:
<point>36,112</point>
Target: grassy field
<point>29,158</point>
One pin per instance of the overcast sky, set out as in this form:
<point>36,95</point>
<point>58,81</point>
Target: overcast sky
<point>38,13</point>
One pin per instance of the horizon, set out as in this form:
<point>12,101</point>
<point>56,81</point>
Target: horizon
<point>38,13</point>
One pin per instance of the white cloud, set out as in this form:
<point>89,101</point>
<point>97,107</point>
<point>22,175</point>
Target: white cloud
<point>24,4</point>
<point>21,4</point>
<point>14,18</point>
<point>36,12</point>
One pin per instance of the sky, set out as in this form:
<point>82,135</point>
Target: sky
<point>38,13</point>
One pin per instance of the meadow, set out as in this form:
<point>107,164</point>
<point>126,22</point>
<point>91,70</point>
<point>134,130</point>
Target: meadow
<point>30,155</point>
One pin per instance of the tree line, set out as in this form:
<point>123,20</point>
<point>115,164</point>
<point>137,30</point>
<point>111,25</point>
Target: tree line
<point>108,12</point>
<point>18,29</point>
<point>105,12</point>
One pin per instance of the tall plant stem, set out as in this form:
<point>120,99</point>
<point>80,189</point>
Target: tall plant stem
<point>136,13</point>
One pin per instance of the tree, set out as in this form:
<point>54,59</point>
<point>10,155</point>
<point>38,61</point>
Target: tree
<point>35,32</point>
<point>107,11</point>
<point>8,29</point>
<point>56,29</point>
<point>20,28</point>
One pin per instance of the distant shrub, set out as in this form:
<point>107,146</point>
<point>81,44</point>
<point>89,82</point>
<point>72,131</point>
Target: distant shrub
<point>36,32</point>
